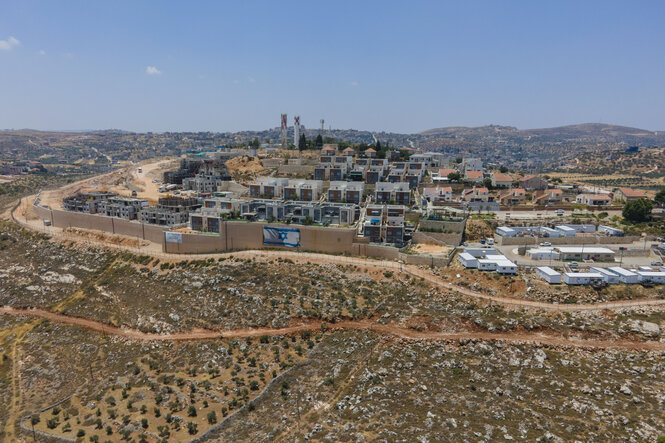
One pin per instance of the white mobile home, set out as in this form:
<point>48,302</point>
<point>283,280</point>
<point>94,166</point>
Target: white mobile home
<point>505,231</point>
<point>585,253</point>
<point>566,231</point>
<point>608,230</point>
<point>542,254</point>
<point>610,277</point>
<point>506,267</point>
<point>549,232</point>
<point>549,275</point>
<point>467,260</point>
<point>479,252</point>
<point>582,278</point>
<point>625,276</point>
<point>487,265</point>
<point>651,276</point>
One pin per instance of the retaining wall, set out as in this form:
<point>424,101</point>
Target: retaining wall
<point>437,238</point>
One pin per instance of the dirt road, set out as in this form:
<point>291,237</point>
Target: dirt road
<point>316,325</point>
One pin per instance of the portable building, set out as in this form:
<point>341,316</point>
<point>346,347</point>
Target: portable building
<point>584,228</point>
<point>549,232</point>
<point>542,254</point>
<point>496,257</point>
<point>610,277</point>
<point>487,265</point>
<point>585,253</point>
<point>506,267</point>
<point>505,231</point>
<point>566,231</point>
<point>651,276</point>
<point>549,275</point>
<point>608,230</point>
<point>467,260</point>
<point>480,252</point>
<point>582,278</point>
<point>625,276</point>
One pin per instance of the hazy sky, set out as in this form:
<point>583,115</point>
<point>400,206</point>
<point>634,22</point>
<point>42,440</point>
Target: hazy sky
<point>379,65</point>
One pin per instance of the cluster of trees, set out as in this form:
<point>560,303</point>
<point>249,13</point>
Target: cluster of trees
<point>637,211</point>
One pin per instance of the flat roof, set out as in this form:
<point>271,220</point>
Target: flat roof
<point>548,271</point>
<point>505,263</point>
<point>651,273</point>
<point>495,257</point>
<point>604,271</point>
<point>584,274</point>
<point>580,249</point>
<point>467,256</point>
<point>623,272</point>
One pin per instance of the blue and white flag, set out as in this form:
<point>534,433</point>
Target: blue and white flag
<point>281,236</point>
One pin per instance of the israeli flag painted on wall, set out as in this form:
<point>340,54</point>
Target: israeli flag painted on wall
<point>281,236</point>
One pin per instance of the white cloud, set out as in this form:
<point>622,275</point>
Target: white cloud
<point>42,52</point>
<point>9,44</point>
<point>151,70</point>
<point>354,83</point>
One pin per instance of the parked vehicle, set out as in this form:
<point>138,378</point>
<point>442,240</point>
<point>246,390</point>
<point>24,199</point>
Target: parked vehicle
<point>559,212</point>
<point>656,263</point>
<point>573,264</point>
<point>545,243</point>
<point>490,241</point>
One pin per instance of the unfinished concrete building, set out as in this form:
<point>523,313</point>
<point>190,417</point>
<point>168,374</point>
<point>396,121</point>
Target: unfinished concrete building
<point>170,211</point>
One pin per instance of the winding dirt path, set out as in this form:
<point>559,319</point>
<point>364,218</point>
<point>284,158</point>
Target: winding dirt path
<point>315,325</point>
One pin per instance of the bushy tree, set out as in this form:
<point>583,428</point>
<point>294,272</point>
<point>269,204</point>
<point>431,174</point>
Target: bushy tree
<point>454,176</point>
<point>637,211</point>
<point>660,197</point>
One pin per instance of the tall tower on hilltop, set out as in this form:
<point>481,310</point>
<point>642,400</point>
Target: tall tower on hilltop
<point>296,131</point>
<point>284,128</point>
<point>322,123</point>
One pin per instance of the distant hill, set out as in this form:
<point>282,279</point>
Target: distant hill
<point>585,132</point>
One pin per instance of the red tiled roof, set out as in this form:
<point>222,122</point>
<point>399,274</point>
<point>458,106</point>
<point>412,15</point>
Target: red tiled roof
<point>446,171</point>
<point>500,177</point>
<point>370,150</point>
<point>474,174</point>
<point>629,192</point>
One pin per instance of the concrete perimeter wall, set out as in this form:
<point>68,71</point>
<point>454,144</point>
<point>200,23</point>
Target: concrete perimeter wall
<point>67,219</point>
<point>234,235</point>
<point>248,235</point>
